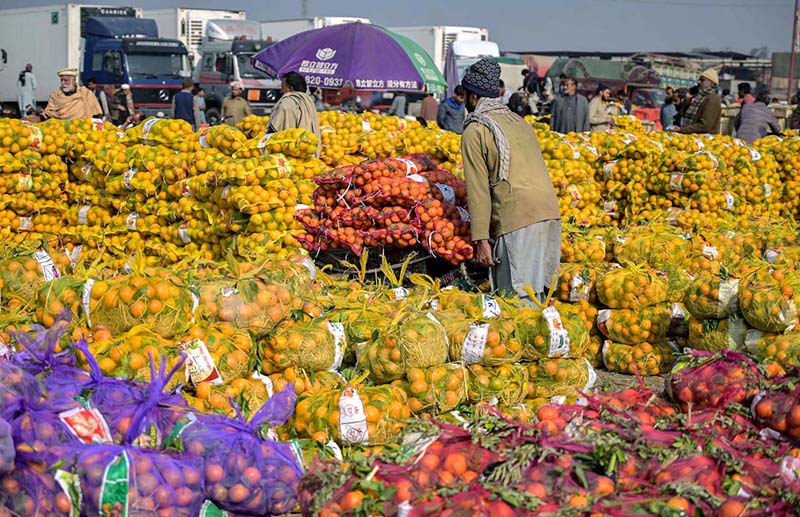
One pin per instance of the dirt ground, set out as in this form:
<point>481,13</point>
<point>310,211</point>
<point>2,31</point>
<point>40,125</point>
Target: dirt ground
<point>610,381</point>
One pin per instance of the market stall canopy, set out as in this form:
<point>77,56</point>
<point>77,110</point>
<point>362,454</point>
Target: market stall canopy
<point>368,56</point>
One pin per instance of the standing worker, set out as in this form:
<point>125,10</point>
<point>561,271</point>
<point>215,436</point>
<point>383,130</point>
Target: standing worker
<point>235,107</point>
<point>430,108</point>
<point>26,90</point>
<point>511,197</point>
<point>599,119</point>
<point>398,107</point>
<point>756,120</point>
<point>295,108</point>
<point>451,112</point>
<point>570,110</point>
<point>72,101</point>
<point>183,104</point>
<point>703,114</point>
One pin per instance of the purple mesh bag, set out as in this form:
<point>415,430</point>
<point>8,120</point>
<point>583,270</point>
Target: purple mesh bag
<point>7,451</point>
<point>18,388</point>
<point>245,472</point>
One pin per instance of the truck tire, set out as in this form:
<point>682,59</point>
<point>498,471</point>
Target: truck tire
<point>212,115</point>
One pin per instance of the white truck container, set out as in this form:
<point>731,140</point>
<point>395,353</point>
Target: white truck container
<point>278,30</point>
<point>436,39</point>
<point>49,38</point>
<point>189,25</point>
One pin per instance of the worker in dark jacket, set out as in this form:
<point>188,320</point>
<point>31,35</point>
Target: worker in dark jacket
<point>756,120</point>
<point>451,112</point>
<point>704,113</point>
<point>183,103</point>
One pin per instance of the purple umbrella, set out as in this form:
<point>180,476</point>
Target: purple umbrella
<point>368,56</point>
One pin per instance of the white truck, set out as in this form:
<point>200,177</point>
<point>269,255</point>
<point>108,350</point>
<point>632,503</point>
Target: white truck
<point>437,39</point>
<point>189,25</point>
<point>48,37</point>
<point>277,30</point>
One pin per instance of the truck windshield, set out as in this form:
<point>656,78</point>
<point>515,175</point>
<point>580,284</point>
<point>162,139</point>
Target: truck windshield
<point>246,69</point>
<point>158,65</point>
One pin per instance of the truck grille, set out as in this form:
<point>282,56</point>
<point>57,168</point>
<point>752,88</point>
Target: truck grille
<point>153,95</point>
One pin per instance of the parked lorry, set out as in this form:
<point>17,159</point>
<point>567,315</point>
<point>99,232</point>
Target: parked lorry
<point>189,25</point>
<point>278,30</point>
<point>436,39</point>
<point>112,44</point>
<point>225,55</point>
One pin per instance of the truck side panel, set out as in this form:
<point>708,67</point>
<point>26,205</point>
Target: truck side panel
<point>38,36</point>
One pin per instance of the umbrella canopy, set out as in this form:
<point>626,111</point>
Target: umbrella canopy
<point>368,56</point>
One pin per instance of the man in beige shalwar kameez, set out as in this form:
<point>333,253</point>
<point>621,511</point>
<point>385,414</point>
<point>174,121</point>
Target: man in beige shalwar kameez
<point>72,101</point>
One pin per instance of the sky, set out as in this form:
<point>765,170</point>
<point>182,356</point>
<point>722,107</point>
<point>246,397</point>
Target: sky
<point>542,25</point>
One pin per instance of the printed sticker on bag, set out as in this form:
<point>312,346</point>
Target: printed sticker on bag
<point>771,255</point>
<point>400,293</point>
<point>730,201</point>
<point>417,178</point>
<point>592,376</point>
<point>411,167</point>
<point>86,300</point>
<point>339,344</point>
<point>183,233</point>
<point>203,138</point>
<point>491,309</point>
<point>578,288</point>
<point>87,424</point>
<point>448,194</point>
<point>130,221</point>
<point>767,189</point>
<point>83,214</point>
<point>676,181</point>
<point>147,126</point>
<point>70,484</point>
<point>127,177</point>
<point>25,224</point>
<point>710,252</point>
<point>24,182</point>
<point>463,214</point>
<point>116,486</point>
<point>352,418</point>
<point>608,169</point>
<point>475,343</point>
<point>262,143</point>
<point>200,366</point>
<point>49,269</point>
<point>86,171</point>
<point>366,127</point>
<point>559,337</point>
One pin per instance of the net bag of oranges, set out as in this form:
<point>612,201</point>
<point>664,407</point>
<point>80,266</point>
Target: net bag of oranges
<point>353,415</point>
<point>777,409</point>
<point>435,390</point>
<point>577,282</point>
<point>712,296</point>
<point>559,377</point>
<point>419,341</point>
<point>22,276</point>
<point>705,380</point>
<point>506,384</point>
<point>552,331</point>
<point>643,358</point>
<point>7,451</point>
<point>635,326</point>
<point>226,139</point>
<point>766,299</point>
<point>126,355</point>
<point>295,142</point>
<point>157,298</point>
<point>245,471</point>
<point>152,130</point>
<point>18,388</point>
<point>132,480</point>
<point>631,287</point>
<point>312,346</point>
<point>35,491</point>
<point>489,342</point>
<point>217,353</point>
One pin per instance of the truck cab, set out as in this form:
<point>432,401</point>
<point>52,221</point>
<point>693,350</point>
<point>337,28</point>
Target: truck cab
<point>225,56</point>
<point>121,50</point>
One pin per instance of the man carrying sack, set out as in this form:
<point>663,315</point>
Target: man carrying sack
<point>511,197</point>
<point>72,101</point>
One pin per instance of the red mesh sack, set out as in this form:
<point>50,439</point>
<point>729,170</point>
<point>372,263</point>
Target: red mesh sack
<point>705,380</point>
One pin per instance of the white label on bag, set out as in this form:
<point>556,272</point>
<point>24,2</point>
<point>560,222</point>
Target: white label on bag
<point>49,269</point>
<point>491,309</point>
<point>608,169</point>
<point>25,224</point>
<point>417,178</point>
<point>464,214</point>
<point>448,194</point>
<point>352,418</point>
<point>339,344</point>
<point>127,177</point>
<point>474,343</point>
<point>400,293</point>
<point>183,233</point>
<point>578,288</point>
<point>592,149</point>
<point>676,181</point>
<point>754,155</point>
<point>225,192</point>
<point>411,167</point>
<point>700,144</point>
<point>74,254</point>
<point>130,221</point>
<point>200,366</point>
<point>728,297</point>
<point>576,153</point>
<point>87,424</point>
<point>86,171</point>
<point>266,381</point>
<point>147,127</point>
<point>203,138</point>
<point>767,190</point>
<point>677,312</point>
<point>603,316</point>
<point>730,201</point>
<point>262,143</point>
<point>610,208</point>
<point>82,213</point>
<point>575,194</point>
<point>366,127</point>
<point>86,300</point>
<point>771,255</point>
<point>710,252</point>
<point>559,337</point>
<point>592,376</point>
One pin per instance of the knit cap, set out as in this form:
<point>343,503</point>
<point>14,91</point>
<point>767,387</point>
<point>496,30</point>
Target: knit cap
<point>483,78</point>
